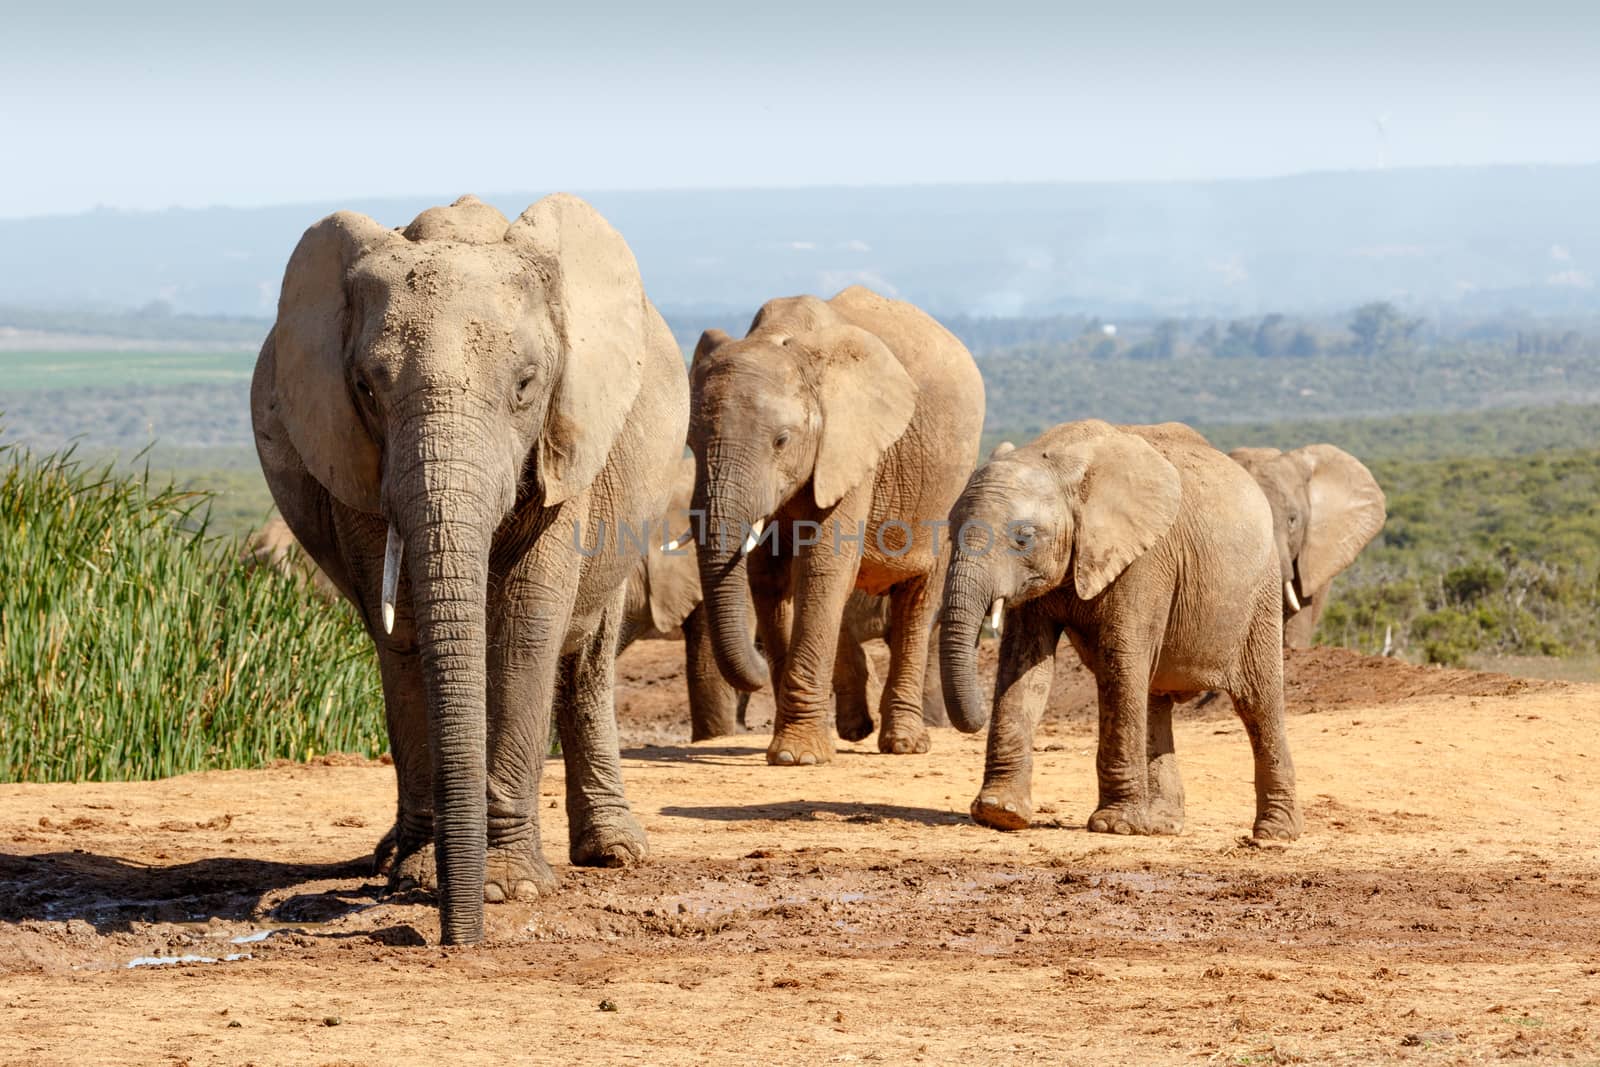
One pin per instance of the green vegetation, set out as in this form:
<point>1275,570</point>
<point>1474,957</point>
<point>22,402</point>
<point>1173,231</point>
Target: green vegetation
<point>29,370</point>
<point>135,644</point>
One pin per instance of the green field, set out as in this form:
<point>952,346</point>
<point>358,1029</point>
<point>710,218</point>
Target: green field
<point>27,371</point>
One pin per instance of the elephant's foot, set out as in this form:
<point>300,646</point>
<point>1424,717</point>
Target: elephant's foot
<point>854,723</point>
<point>516,873</point>
<point>405,854</point>
<point>609,837</point>
<point>1166,794</point>
<point>1278,821</point>
<point>1135,817</point>
<point>799,746</point>
<point>904,736</point>
<point>1004,805</point>
<point>413,869</point>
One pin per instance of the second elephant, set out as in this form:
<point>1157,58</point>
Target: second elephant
<point>664,602</point>
<point>1326,507</point>
<point>850,425</point>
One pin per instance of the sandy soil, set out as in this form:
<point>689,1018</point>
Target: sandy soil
<point>1443,906</point>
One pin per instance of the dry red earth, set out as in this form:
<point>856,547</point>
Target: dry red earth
<point>1442,907</point>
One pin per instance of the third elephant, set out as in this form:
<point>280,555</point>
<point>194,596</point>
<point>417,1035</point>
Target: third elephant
<point>1326,507</point>
<point>830,442</point>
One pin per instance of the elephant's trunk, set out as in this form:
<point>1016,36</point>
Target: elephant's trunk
<point>726,585</point>
<point>446,519</point>
<point>968,594</point>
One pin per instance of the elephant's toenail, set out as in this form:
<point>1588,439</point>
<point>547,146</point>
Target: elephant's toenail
<point>786,757</point>
<point>808,759</point>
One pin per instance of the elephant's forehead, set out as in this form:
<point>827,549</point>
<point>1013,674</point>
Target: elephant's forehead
<point>1013,483</point>
<point>482,278</point>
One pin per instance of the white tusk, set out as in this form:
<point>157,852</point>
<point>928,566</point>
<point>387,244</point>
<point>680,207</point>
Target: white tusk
<point>997,612</point>
<point>671,546</point>
<point>755,536</point>
<point>393,548</point>
<point>679,541</point>
<point>1288,594</point>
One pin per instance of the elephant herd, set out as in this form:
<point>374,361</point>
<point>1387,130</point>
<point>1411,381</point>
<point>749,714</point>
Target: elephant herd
<point>476,427</point>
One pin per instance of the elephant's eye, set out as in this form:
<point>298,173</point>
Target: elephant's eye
<point>527,383</point>
<point>781,440</point>
<point>1022,536</point>
<point>364,389</point>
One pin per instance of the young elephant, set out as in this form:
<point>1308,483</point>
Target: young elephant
<point>441,413</point>
<point>850,424</point>
<point>1153,553</point>
<point>664,602</point>
<point>1326,507</point>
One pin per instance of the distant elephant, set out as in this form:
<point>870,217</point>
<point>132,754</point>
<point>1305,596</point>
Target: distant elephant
<point>1326,507</point>
<point>851,424</point>
<point>664,602</point>
<point>1153,554</point>
<point>274,545</point>
<point>450,417</point>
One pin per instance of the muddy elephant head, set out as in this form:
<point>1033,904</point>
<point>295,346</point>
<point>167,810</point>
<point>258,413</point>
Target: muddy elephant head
<point>799,411</point>
<point>1068,512</point>
<point>440,377</point>
<point>1326,506</point>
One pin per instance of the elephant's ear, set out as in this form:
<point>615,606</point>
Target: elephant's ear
<point>308,347</point>
<point>674,577</point>
<point>1126,497</point>
<point>1347,511</point>
<point>709,342</point>
<point>674,580</point>
<point>867,401</point>
<point>600,319</point>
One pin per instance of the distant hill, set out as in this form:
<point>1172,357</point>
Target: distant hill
<point>1451,242</point>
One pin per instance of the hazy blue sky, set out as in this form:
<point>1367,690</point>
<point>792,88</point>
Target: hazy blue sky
<point>157,104</point>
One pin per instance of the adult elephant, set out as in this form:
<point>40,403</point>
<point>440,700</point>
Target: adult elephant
<point>664,603</point>
<point>1326,507</point>
<point>829,442</point>
<point>442,414</point>
<point>1153,554</point>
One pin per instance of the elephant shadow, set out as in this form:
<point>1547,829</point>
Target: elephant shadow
<point>819,810</point>
<point>715,755</point>
<point>111,893</point>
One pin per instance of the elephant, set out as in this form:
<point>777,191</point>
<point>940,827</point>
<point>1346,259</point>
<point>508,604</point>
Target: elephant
<point>1326,507</point>
<point>664,602</point>
<point>1153,553</point>
<point>829,444</point>
<point>449,417</point>
<point>274,546</point>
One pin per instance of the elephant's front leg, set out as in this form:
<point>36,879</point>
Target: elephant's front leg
<point>912,606</point>
<point>1022,689</point>
<point>405,853</point>
<point>1124,757</point>
<point>824,575</point>
<point>715,709</point>
<point>528,617</point>
<point>601,829</point>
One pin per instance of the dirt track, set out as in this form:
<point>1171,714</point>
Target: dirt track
<point>1447,893</point>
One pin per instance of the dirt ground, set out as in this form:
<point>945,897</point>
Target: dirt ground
<point>1442,907</point>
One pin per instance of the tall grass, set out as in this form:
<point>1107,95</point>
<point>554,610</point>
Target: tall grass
<point>133,644</point>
